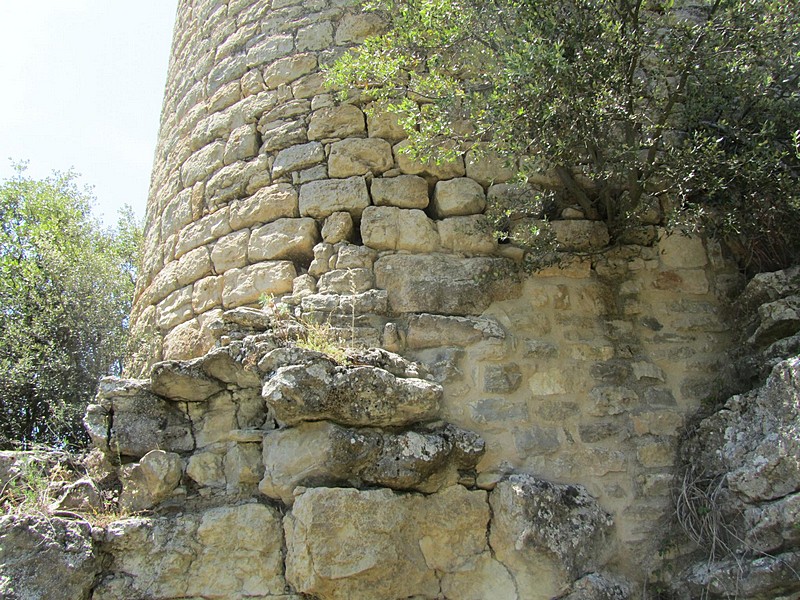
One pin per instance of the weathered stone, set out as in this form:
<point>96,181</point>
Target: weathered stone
<point>207,229</point>
<point>580,235</point>
<point>82,496</point>
<point>472,234</point>
<point>338,228</point>
<point>205,468</point>
<point>411,166</point>
<point>183,380</point>
<point>458,197</point>
<point>203,163</point>
<point>225,552</point>
<point>141,420</point>
<point>346,281</point>
<point>297,158</point>
<point>150,481</point>
<point>385,125</point>
<point>230,252</point>
<point>242,144</point>
<point>266,205</point>
<point>434,331</point>
<point>320,199</point>
<point>357,28</point>
<point>773,526</point>
<point>359,396</point>
<point>445,284</point>
<point>243,466</point>
<point>247,285</point>
<point>317,36</point>
<point>546,534</point>
<point>350,256</point>
<point>356,156</point>
<point>288,69</point>
<point>317,454</point>
<point>219,364</point>
<point>599,586</point>
<point>488,168</point>
<point>391,228</point>
<point>337,122</point>
<point>46,558</point>
<point>682,251</point>
<point>778,319</point>
<point>284,239</point>
<point>412,540</point>
<point>403,191</point>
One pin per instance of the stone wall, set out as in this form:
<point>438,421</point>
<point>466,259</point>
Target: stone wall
<point>578,376</point>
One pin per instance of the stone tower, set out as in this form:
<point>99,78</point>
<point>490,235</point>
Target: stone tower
<point>579,375</point>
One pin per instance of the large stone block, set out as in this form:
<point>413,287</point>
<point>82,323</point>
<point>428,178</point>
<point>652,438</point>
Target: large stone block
<point>413,541</point>
<point>391,228</point>
<point>445,284</point>
<point>337,122</point>
<point>356,156</point>
<point>230,251</point>
<point>404,191</point>
<point>316,454</point>
<point>359,396</point>
<point>288,69</point>
<point>580,235</point>
<point>285,239</point>
<point>297,158</point>
<point>247,285</point>
<point>546,534</point>
<point>268,204</point>
<point>225,552</point>
<point>320,199</point>
<point>458,197</point>
<point>472,234</point>
<point>412,166</point>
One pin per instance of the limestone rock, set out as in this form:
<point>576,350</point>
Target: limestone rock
<point>141,420</point>
<point>546,534</point>
<point>755,441</point>
<point>599,586</point>
<point>266,205</point>
<point>225,552</point>
<point>777,320</point>
<point>457,197</point>
<point>320,199</point>
<point>183,380</point>
<point>46,558</point>
<point>385,125</point>
<point>338,227</point>
<point>404,191</point>
<point>324,454</point>
<point>355,156</point>
<point>469,235</point>
<point>445,284</point>
<point>297,158</point>
<point>337,122</point>
<point>284,239</point>
<point>488,168</point>
<point>411,166</point>
<point>150,481</point>
<point>580,235</point>
<point>435,331</point>
<point>230,251</point>
<point>346,281</point>
<point>360,396</point>
<point>391,228</point>
<point>247,285</point>
<point>219,364</point>
<point>413,540</point>
<point>82,496</point>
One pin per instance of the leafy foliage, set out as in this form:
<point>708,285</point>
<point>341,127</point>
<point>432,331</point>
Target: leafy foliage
<point>65,295</point>
<point>617,105</point>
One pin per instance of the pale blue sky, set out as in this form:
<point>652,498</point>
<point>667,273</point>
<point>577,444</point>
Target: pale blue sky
<point>82,83</point>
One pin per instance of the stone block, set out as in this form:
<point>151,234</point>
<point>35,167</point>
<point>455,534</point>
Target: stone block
<point>338,228</point>
<point>297,158</point>
<point>337,122</point>
<point>230,251</point>
<point>200,165</point>
<point>175,309</point>
<point>150,481</point>
<point>350,256</point>
<point>346,281</point>
<point>247,285</point>
<point>385,125</point>
<point>458,197</point>
<point>580,235</point>
<point>391,228</point>
<point>320,199</point>
<point>207,229</point>
<point>445,284</point>
<point>207,294</point>
<point>488,168</point>
<point>411,166</point>
<point>355,156</point>
<point>403,191</point>
<point>316,36</point>
<point>682,251</point>
<point>413,540</point>
<point>436,331</point>
<point>194,265</point>
<point>284,239</point>
<point>288,69</point>
<point>242,144</point>
<point>268,204</point>
<point>472,234</point>
<point>357,28</point>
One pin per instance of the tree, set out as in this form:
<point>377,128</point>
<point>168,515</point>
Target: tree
<point>65,294</point>
<point>617,104</point>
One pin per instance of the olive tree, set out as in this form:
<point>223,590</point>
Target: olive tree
<point>615,105</point>
<point>66,285</point>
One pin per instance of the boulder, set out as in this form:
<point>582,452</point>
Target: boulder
<point>457,197</point>
<point>150,481</point>
<point>46,558</point>
<point>183,381</point>
<point>360,396</point>
<point>546,534</point>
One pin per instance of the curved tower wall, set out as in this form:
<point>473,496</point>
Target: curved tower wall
<point>264,185</point>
